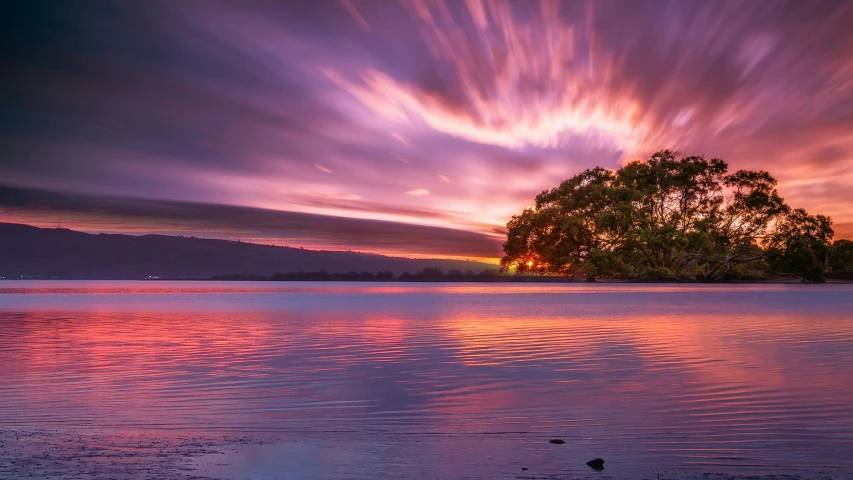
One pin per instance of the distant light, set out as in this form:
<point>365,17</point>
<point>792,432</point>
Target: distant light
<point>530,263</point>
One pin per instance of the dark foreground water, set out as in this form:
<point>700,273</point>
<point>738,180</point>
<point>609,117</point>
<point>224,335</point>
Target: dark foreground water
<point>390,381</point>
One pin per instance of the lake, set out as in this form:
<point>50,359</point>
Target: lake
<point>239,380</point>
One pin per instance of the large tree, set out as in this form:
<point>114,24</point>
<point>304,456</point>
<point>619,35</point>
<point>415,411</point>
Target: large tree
<point>668,217</point>
<point>560,231</point>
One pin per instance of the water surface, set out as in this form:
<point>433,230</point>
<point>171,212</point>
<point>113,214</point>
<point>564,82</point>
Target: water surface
<point>442,380</point>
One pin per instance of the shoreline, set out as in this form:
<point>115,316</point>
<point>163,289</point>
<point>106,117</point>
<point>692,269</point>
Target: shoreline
<point>501,280</point>
<point>102,455</point>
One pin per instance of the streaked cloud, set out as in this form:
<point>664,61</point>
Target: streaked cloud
<point>247,103</point>
<point>350,8</point>
<point>115,214</point>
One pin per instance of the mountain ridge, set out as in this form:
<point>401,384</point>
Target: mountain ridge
<point>31,251</point>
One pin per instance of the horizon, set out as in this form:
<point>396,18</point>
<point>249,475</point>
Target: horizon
<point>403,129</point>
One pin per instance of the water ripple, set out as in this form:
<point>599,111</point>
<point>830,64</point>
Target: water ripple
<point>697,376</point>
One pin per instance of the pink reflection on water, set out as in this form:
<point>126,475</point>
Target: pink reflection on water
<point>657,383</point>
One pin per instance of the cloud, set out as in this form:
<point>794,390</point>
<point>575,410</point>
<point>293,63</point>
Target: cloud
<point>355,14</point>
<point>113,214</point>
<point>400,138</point>
<point>243,103</point>
<point>418,192</point>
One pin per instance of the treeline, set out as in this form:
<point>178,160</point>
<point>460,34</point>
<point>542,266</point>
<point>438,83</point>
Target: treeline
<point>672,218</point>
<point>841,256</point>
<point>425,275</point>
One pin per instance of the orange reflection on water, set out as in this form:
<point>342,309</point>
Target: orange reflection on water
<point>746,348</point>
<point>622,366</point>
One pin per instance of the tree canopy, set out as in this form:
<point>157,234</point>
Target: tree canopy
<point>671,217</point>
<point>841,256</point>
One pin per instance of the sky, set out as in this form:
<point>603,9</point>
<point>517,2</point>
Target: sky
<point>413,128</point>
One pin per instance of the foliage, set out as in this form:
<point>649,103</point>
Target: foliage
<point>801,245</point>
<point>667,218</point>
<point>841,256</point>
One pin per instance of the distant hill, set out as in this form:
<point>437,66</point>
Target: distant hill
<point>62,253</point>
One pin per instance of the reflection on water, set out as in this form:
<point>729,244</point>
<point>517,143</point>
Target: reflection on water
<point>699,378</point>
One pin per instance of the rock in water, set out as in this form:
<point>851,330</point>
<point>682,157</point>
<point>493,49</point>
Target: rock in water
<point>597,464</point>
<point>556,441</point>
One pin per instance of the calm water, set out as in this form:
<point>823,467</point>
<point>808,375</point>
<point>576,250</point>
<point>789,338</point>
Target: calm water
<point>442,380</point>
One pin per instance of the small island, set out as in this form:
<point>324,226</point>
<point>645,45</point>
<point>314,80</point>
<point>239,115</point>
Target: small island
<point>672,218</point>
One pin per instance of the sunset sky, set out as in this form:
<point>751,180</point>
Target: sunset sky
<point>406,128</point>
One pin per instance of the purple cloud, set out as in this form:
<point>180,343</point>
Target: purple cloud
<point>356,109</point>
